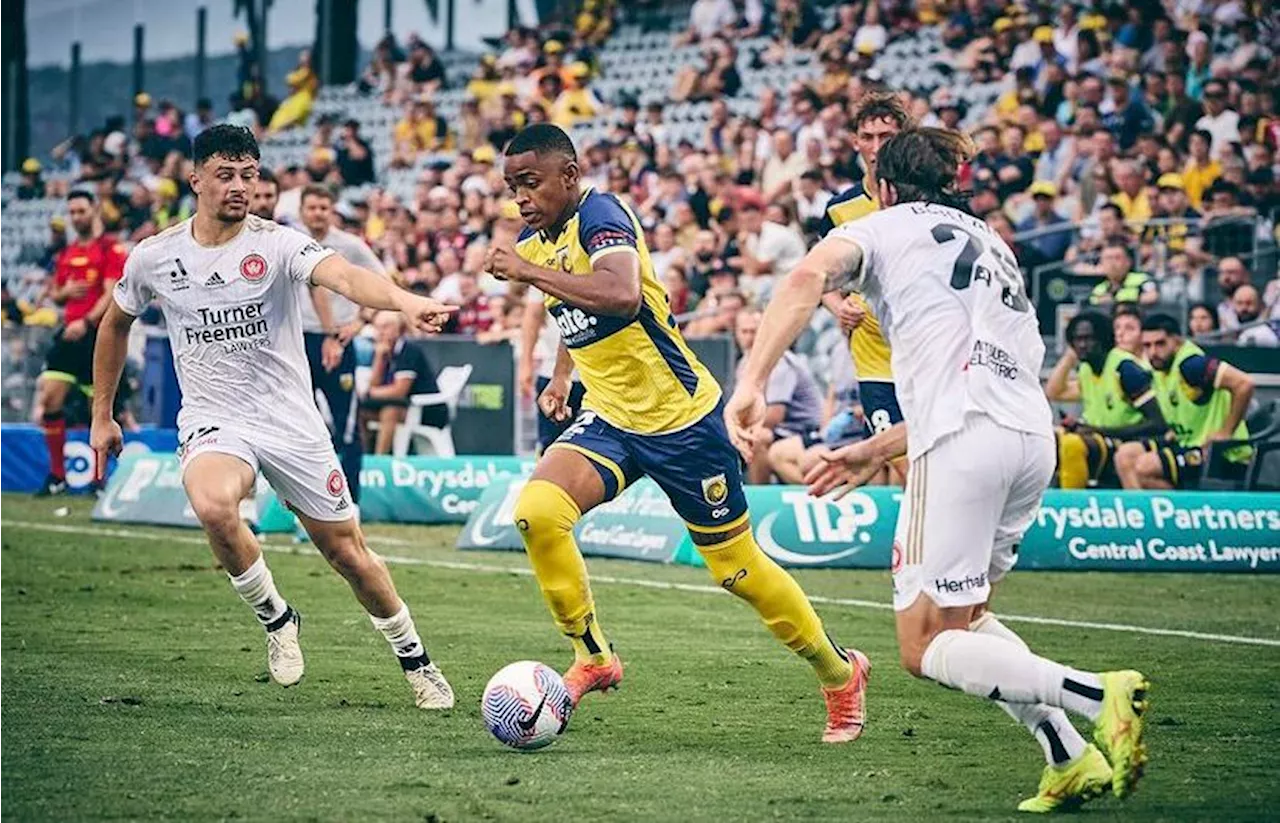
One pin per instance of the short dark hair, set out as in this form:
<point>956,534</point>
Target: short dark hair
<point>880,106</point>
<point>542,138</point>
<point>316,190</point>
<point>1203,134</point>
<point>82,194</point>
<point>232,142</point>
<point>265,175</point>
<point>1123,309</point>
<point>1114,209</point>
<point>1159,321</point>
<point>1102,331</point>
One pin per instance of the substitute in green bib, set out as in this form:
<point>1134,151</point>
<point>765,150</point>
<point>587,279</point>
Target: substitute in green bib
<point>1117,399</point>
<point>1122,284</point>
<point>1203,398</point>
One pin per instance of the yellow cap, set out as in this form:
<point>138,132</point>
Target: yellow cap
<point>31,166</point>
<point>58,222</point>
<point>579,70</point>
<point>553,47</point>
<point>866,49</point>
<point>166,189</point>
<point>1092,22</point>
<point>1045,188</point>
<point>241,38</point>
<point>1002,24</point>
<point>1043,34</point>
<point>509,210</point>
<point>489,59</point>
<point>1172,180</point>
<point>506,89</point>
<point>322,153</point>
<point>484,154</point>
<point>142,99</point>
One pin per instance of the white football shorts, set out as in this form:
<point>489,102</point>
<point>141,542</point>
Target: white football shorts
<point>306,476</point>
<point>967,504</point>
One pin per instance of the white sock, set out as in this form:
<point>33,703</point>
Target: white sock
<point>1050,727</point>
<point>401,634</point>
<point>257,588</point>
<point>991,667</point>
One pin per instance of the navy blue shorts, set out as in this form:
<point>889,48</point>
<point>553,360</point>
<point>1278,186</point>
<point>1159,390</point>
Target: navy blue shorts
<point>697,467</point>
<point>879,405</point>
<point>548,429</point>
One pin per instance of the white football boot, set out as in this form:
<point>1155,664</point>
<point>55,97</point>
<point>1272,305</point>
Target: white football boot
<point>284,655</point>
<point>430,689</point>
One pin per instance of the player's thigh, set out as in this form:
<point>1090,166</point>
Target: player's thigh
<point>701,473</point>
<point>946,531</point>
<point>307,477</point>
<point>219,469</point>
<point>589,460</point>
<point>1030,476</point>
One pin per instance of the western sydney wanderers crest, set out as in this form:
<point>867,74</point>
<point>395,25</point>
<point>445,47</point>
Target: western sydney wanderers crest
<point>336,483</point>
<point>896,564</point>
<point>715,490</point>
<point>253,268</point>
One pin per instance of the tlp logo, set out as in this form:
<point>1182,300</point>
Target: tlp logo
<point>811,531</point>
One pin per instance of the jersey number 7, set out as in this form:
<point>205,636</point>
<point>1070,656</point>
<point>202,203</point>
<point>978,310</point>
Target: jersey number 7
<point>967,268</point>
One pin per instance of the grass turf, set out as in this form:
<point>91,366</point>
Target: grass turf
<point>134,687</point>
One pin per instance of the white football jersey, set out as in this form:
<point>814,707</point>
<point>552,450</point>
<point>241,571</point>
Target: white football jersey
<point>954,309</point>
<point>343,310</point>
<point>233,316</point>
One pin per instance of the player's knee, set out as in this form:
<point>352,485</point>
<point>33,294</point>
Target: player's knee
<point>217,507</point>
<point>347,553</point>
<point>544,509</point>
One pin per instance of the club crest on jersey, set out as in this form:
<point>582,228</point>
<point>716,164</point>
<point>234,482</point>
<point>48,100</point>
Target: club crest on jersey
<point>335,483</point>
<point>715,490</point>
<point>346,382</point>
<point>253,268</point>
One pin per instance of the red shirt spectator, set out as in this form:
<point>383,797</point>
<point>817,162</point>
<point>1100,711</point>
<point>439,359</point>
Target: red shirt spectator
<point>93,263</point>
<point>474,313</point>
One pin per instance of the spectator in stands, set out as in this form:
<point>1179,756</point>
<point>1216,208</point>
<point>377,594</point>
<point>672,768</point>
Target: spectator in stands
<point>1131,196</point>
<point>794,402</point>
<point>768,249</point>
<point>1126,116</point>
<point>473,315</point>
<point>1051,245</point>
<point>811,198</point>
<point>421,129</point>
<point>400,370</point>
<point>1122,283</point>
<point>31,183</point>
<point>1027,254</point>
<point>1202,319</point>
<point>1202,168</point>
<point>296,108</point>
<point>266,194</point>
<point>783,168</point>
<point>718,312</point>
<point>718,77</point>
<point>1221,122</point>
<point>423,73</point>
<point>707,19</point>
<point>577,102</point>
<point>1247,303</point>
<point>1232,274</point>
<point>198,120</point>
<point>355,158</point>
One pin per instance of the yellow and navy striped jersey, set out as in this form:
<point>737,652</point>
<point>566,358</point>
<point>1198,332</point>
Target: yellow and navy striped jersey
<point>866,344</point>
<point>639,373</point>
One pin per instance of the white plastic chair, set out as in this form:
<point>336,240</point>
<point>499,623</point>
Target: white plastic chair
<point>429,439</point>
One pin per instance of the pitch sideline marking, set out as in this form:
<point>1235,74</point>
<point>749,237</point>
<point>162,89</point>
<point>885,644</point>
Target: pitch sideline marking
<point>662,585</point>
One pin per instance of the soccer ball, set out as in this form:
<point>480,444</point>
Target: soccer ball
<point>526,705</point>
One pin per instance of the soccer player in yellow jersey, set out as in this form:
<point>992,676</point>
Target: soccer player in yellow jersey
<point>650,409</point>
<point>876,118</point>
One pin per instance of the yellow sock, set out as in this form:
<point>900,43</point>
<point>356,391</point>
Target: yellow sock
<point>545,515</point>
<point>739,565</point>
<point>1073,461</point>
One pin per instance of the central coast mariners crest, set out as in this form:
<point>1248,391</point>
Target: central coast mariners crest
<point>715,490</point>
<point>560,261</point>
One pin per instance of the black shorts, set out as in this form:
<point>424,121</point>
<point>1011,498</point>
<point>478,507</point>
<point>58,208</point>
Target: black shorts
<point>879,405</point>
<point>1182,466</point>
<point>71,361</point>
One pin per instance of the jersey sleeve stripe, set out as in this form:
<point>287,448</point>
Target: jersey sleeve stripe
<point>671,354</point>
<point>610,250</point>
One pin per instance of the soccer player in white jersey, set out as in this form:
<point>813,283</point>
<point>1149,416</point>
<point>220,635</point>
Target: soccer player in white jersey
<point>967,355</point>
<point>227,283</point>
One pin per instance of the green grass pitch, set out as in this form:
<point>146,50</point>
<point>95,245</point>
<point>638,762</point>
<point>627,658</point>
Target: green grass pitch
<point>134,687</point>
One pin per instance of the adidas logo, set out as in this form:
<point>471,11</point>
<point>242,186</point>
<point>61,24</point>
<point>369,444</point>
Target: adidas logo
<point>342,505</point>
<point>215,280</point>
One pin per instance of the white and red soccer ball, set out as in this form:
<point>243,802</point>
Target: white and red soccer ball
<point>526,705</point>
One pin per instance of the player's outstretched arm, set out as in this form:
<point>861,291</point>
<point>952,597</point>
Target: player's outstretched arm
<point>844,469</point>
<point>109,351</point>
<point>613,287</point>
<point>367,288</point>
<point>834,264</point>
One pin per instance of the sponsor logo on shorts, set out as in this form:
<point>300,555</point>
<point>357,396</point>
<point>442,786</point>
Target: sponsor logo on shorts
<point>946,586</point>
<point>715,490</point>
<point>342,505</point>
<point>197,439</point>
<point>253,268</point>
<point>336,483</point>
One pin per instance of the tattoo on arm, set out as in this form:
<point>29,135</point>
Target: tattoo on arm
<point>843,267</point>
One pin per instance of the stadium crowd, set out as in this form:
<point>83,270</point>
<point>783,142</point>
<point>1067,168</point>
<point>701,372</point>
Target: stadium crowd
<point>1136,142</point>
